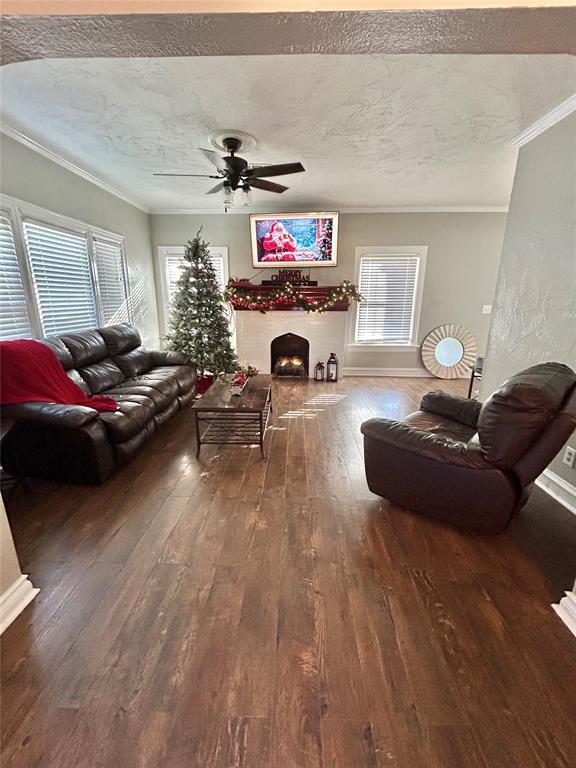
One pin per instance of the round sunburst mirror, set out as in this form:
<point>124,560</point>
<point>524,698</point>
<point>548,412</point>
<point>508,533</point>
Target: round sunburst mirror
<point>449,351</point>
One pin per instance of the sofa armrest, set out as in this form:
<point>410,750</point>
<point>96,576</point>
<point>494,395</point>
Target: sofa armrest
<point>396,434</point>
<point>452,407</point>
<point>158,358</point>
<point>55,414</point>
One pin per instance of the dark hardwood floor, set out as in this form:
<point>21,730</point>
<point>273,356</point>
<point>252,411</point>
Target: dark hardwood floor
<point>238,613</point>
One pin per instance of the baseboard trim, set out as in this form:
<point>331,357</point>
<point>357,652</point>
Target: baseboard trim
<point>558,488</point>
<point>410,373</point>
<point>15,599</point>
<point>566,609</point>
<point>564,494</point>
<point>403,372</point>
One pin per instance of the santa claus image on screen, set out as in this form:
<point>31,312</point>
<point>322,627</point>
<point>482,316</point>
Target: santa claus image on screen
<point>278,241</point>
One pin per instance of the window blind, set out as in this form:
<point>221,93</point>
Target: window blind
<point>173,268</point>
<point>388,285</point>
<point>60,265</point>
<point>14,319</point>
<point>109,262</point>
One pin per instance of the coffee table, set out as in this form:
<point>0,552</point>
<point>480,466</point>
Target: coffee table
<point>226,419</point>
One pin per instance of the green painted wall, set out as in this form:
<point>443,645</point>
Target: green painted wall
<point>28,176</point>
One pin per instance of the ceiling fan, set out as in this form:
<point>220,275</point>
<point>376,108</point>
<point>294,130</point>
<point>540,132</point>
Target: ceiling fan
<point>234,172</point>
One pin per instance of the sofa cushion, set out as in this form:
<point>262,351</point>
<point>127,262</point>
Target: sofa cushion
<point>120,338</point>
<point>160,399</point>
<point>102,375</point>
<point>162,416</point>
<point>62,352</point>
<point>130,419</point>
<point>86,347</point>
<point>165,384</point>
<point>133,398</point>
<point>184,375</point>
<point>126,450</point>
<point>185,400</point>
<point>440,425</point>
<point>168,357</point>
<point>512,417</point>
<point>452,407</point>
<point>135,362</point>
<point>77,379</point>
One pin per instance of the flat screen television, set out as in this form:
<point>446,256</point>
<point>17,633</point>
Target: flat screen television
<point>297,239</point>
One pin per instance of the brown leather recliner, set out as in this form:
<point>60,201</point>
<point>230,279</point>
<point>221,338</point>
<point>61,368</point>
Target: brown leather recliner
<point>472,464</point>
<point>78,444</point>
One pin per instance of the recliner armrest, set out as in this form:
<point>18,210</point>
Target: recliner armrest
<point>452,407</point>
<point>158,357</point>
<point>402,436</point>
<point>55,414</point>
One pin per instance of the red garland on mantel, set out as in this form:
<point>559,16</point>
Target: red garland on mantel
<point>263,298</point>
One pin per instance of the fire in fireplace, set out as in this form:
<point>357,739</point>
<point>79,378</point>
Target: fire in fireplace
<point>290,366</point>
<point>289,355</point>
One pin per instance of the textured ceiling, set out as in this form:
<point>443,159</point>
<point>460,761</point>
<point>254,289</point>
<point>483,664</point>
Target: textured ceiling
<point>371,131</point>
<point>480,31</point>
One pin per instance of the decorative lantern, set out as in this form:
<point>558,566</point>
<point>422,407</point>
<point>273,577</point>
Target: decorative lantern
<point>319,372</point>
<point>332,367</point>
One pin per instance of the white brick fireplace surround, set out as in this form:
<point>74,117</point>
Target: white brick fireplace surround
<point>255,331</point>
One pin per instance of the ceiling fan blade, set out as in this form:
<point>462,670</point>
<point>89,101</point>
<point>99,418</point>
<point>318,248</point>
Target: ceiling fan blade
<point>216,188</point>
<point>276,170</point>
<point>215,159</point>
<point>191,175</point>
<point>268,186</point>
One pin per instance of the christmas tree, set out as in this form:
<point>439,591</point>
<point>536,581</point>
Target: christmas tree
<point>199,325</point>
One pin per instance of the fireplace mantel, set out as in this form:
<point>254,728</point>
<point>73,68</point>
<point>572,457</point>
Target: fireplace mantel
<point>311,293</point>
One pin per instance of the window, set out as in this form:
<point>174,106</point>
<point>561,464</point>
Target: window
<point>58,275</point>
<point>171,266</point>
<point>390,281</point>
<point>14,318</point>
<point>62,276</point>
<point>111,276</point>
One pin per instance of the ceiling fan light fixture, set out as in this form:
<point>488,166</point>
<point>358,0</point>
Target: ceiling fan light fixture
<point>228,197</point>
<point>234,173</point>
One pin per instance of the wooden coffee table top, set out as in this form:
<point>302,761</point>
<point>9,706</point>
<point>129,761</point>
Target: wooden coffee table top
<point>252,400</point>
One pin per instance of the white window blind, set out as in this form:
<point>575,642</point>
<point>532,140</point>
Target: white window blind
<point>109,262</point>
<point>173,267</point>
<point>60,265</point>
<point>388,285</point>
<point>14,319</point>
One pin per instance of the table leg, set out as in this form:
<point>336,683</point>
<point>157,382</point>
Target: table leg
<point>198,443</point>
<point>471,385</point>
<point>262,435</point>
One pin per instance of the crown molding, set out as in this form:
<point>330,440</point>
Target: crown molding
<point>546,121</point>
<point>50,154</point>
<point>382,209</point>
<point>429,209</point>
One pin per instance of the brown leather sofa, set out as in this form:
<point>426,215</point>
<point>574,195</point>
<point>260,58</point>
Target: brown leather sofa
<point>78,444</point>
<point>472,464</point>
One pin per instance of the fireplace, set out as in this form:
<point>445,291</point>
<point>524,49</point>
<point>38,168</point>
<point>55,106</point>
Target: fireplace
<point>289,356</point>
<point>325,333</point>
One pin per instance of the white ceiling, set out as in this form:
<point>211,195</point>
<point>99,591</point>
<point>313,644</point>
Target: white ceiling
<point>371,131</point>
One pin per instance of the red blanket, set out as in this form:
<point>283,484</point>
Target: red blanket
<point>30,372</point>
